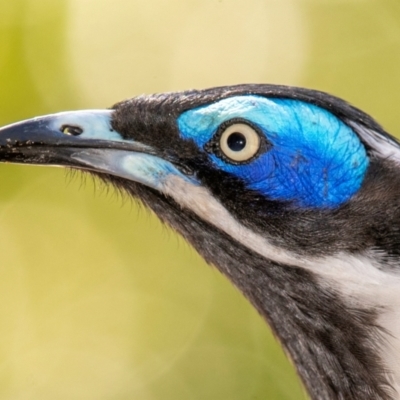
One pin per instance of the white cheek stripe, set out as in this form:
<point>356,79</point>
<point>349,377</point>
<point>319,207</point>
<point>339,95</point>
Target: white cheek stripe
<point>357,278</point>
<point>199,200</point>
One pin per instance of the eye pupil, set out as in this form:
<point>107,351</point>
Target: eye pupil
<point>236,141</point>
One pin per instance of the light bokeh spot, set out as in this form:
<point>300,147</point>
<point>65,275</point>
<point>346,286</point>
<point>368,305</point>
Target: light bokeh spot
<point>117,51</point>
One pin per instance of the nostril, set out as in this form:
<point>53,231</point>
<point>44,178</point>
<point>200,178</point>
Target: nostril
<point>71,130</point>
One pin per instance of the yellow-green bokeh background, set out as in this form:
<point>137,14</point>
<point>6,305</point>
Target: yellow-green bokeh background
<point>97,299</point>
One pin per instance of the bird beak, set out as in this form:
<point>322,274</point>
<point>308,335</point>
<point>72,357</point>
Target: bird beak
<point>84,140</point>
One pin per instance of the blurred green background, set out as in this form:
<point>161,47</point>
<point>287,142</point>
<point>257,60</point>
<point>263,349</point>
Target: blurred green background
<point>97,299</point>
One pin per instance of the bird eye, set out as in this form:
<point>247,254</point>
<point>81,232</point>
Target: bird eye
<point>239,142</point>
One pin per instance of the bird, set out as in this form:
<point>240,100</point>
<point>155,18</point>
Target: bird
<point>293,194</point>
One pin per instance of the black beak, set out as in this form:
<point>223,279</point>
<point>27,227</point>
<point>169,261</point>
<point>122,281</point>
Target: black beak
<point>57,139</point>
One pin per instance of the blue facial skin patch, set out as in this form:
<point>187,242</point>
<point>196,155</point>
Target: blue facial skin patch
<point>314,160</point>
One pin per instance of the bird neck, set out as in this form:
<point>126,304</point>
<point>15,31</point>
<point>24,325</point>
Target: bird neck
<point>337,349</point>
<point>334,347</point>
<point>335,344</point>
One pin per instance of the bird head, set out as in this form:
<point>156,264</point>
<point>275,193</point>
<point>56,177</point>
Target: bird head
<point>291,193</point>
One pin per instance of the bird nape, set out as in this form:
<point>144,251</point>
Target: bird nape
<point>292,193</point>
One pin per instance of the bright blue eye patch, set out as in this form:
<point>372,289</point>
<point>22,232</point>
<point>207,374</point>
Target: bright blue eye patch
<point>314,160</point>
